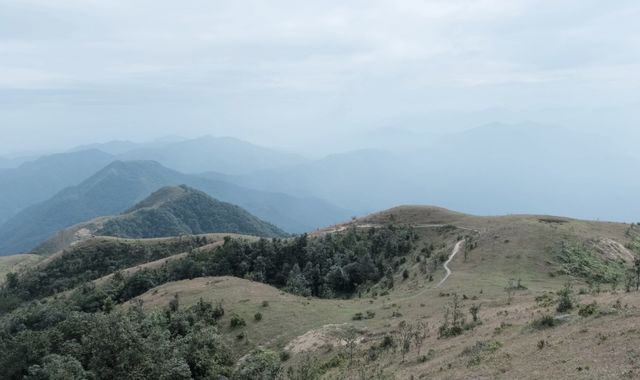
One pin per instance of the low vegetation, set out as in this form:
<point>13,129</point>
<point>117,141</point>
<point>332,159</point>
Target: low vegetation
<point>578,260</point>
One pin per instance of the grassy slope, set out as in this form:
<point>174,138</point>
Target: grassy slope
<point>15,263</point>
<point>508,247</point>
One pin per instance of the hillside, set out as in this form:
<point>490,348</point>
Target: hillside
<point>121,185</point>
<point>170,211</point>
<point>16,263</point>
<point>408,292</point>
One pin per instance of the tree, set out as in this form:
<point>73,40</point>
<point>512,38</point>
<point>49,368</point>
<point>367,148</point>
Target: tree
<point>405,335</point>
<point>174,304</point>
<point>510,290</point>
<point>628,280</point>
<point>474,310</point>
<point>453,318</point>
<point>108,305</point>
<point>262,364</point>
<point>636,266</point>
<point>420,335</point>
<point>349,335</point>
<point>56,367</point>
<point>297,283</point>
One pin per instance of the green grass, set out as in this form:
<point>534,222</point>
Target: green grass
<point>578,260</point>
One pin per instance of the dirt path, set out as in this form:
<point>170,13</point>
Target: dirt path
<point>455,251</point>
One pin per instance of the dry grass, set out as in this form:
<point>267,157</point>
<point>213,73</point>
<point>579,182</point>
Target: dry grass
<point>604,346</point>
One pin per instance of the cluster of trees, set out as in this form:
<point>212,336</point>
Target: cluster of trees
<point>52,341</point>
<point>328,266</point>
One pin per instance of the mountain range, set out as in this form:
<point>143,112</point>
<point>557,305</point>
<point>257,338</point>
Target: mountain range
<point>121,185</point>
<point>492,169</point>
<point>38,180</point>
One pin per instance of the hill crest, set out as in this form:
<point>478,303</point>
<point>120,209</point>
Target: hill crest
<point>169,211</point>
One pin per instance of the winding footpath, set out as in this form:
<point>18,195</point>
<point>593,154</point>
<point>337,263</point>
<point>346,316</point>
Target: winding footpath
<point>456,249</point>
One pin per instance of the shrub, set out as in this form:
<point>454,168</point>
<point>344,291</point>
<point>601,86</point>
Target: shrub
<point>543,322</point>
<point>541,344</point>
<point>453,324</point>
<point>357,317</point>
<point>262,364</point>
<point>257,317</point>
<point>265,303</point>
<point>588,309</point>
<point>478,351</point>
<point>565,300</point>
<point>218,311</point>
<point>387,342</point>
<point>474,310</point>
<point>284,355</point>
<point>544,300</point>
<point>236,321</point>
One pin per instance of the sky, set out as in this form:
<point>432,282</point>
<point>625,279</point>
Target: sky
<point>311,75</point>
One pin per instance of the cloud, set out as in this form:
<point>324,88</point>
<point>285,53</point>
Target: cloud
<point>298,65</point>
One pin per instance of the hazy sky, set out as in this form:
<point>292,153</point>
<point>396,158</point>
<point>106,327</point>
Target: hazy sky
<point>300,73</point>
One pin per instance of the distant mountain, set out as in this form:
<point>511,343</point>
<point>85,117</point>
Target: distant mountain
<point>121,185</point>
<point>12,162</point>
<point>220,154</point>
<point>170,211</point>
<point>112,147</point>
<point>492,169</point>
<point>361,180</point>
<point>39,180</point>
<point>120,147</point>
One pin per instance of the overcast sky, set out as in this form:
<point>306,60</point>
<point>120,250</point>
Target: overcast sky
<point>300,73</point>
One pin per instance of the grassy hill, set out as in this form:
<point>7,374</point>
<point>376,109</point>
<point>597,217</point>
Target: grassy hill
<point>528,297</point>
<point>170,211</point>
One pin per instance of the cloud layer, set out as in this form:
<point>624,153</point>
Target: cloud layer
<point>292,73</point>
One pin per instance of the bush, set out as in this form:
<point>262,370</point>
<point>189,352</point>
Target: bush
<point>565,302</point>
<point>257,317</point>
<point>387,342</point>
<point>454,321</point>
<point>236,321</point>
<point>588,310</point>
<point>480,350</point>
<point>285,355</point>
<point>262,364</point>
<point>357,317</point>
<point>543,322</point>
<point>265,303</point>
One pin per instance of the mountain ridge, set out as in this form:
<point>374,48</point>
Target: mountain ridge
<point>169,211</point>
